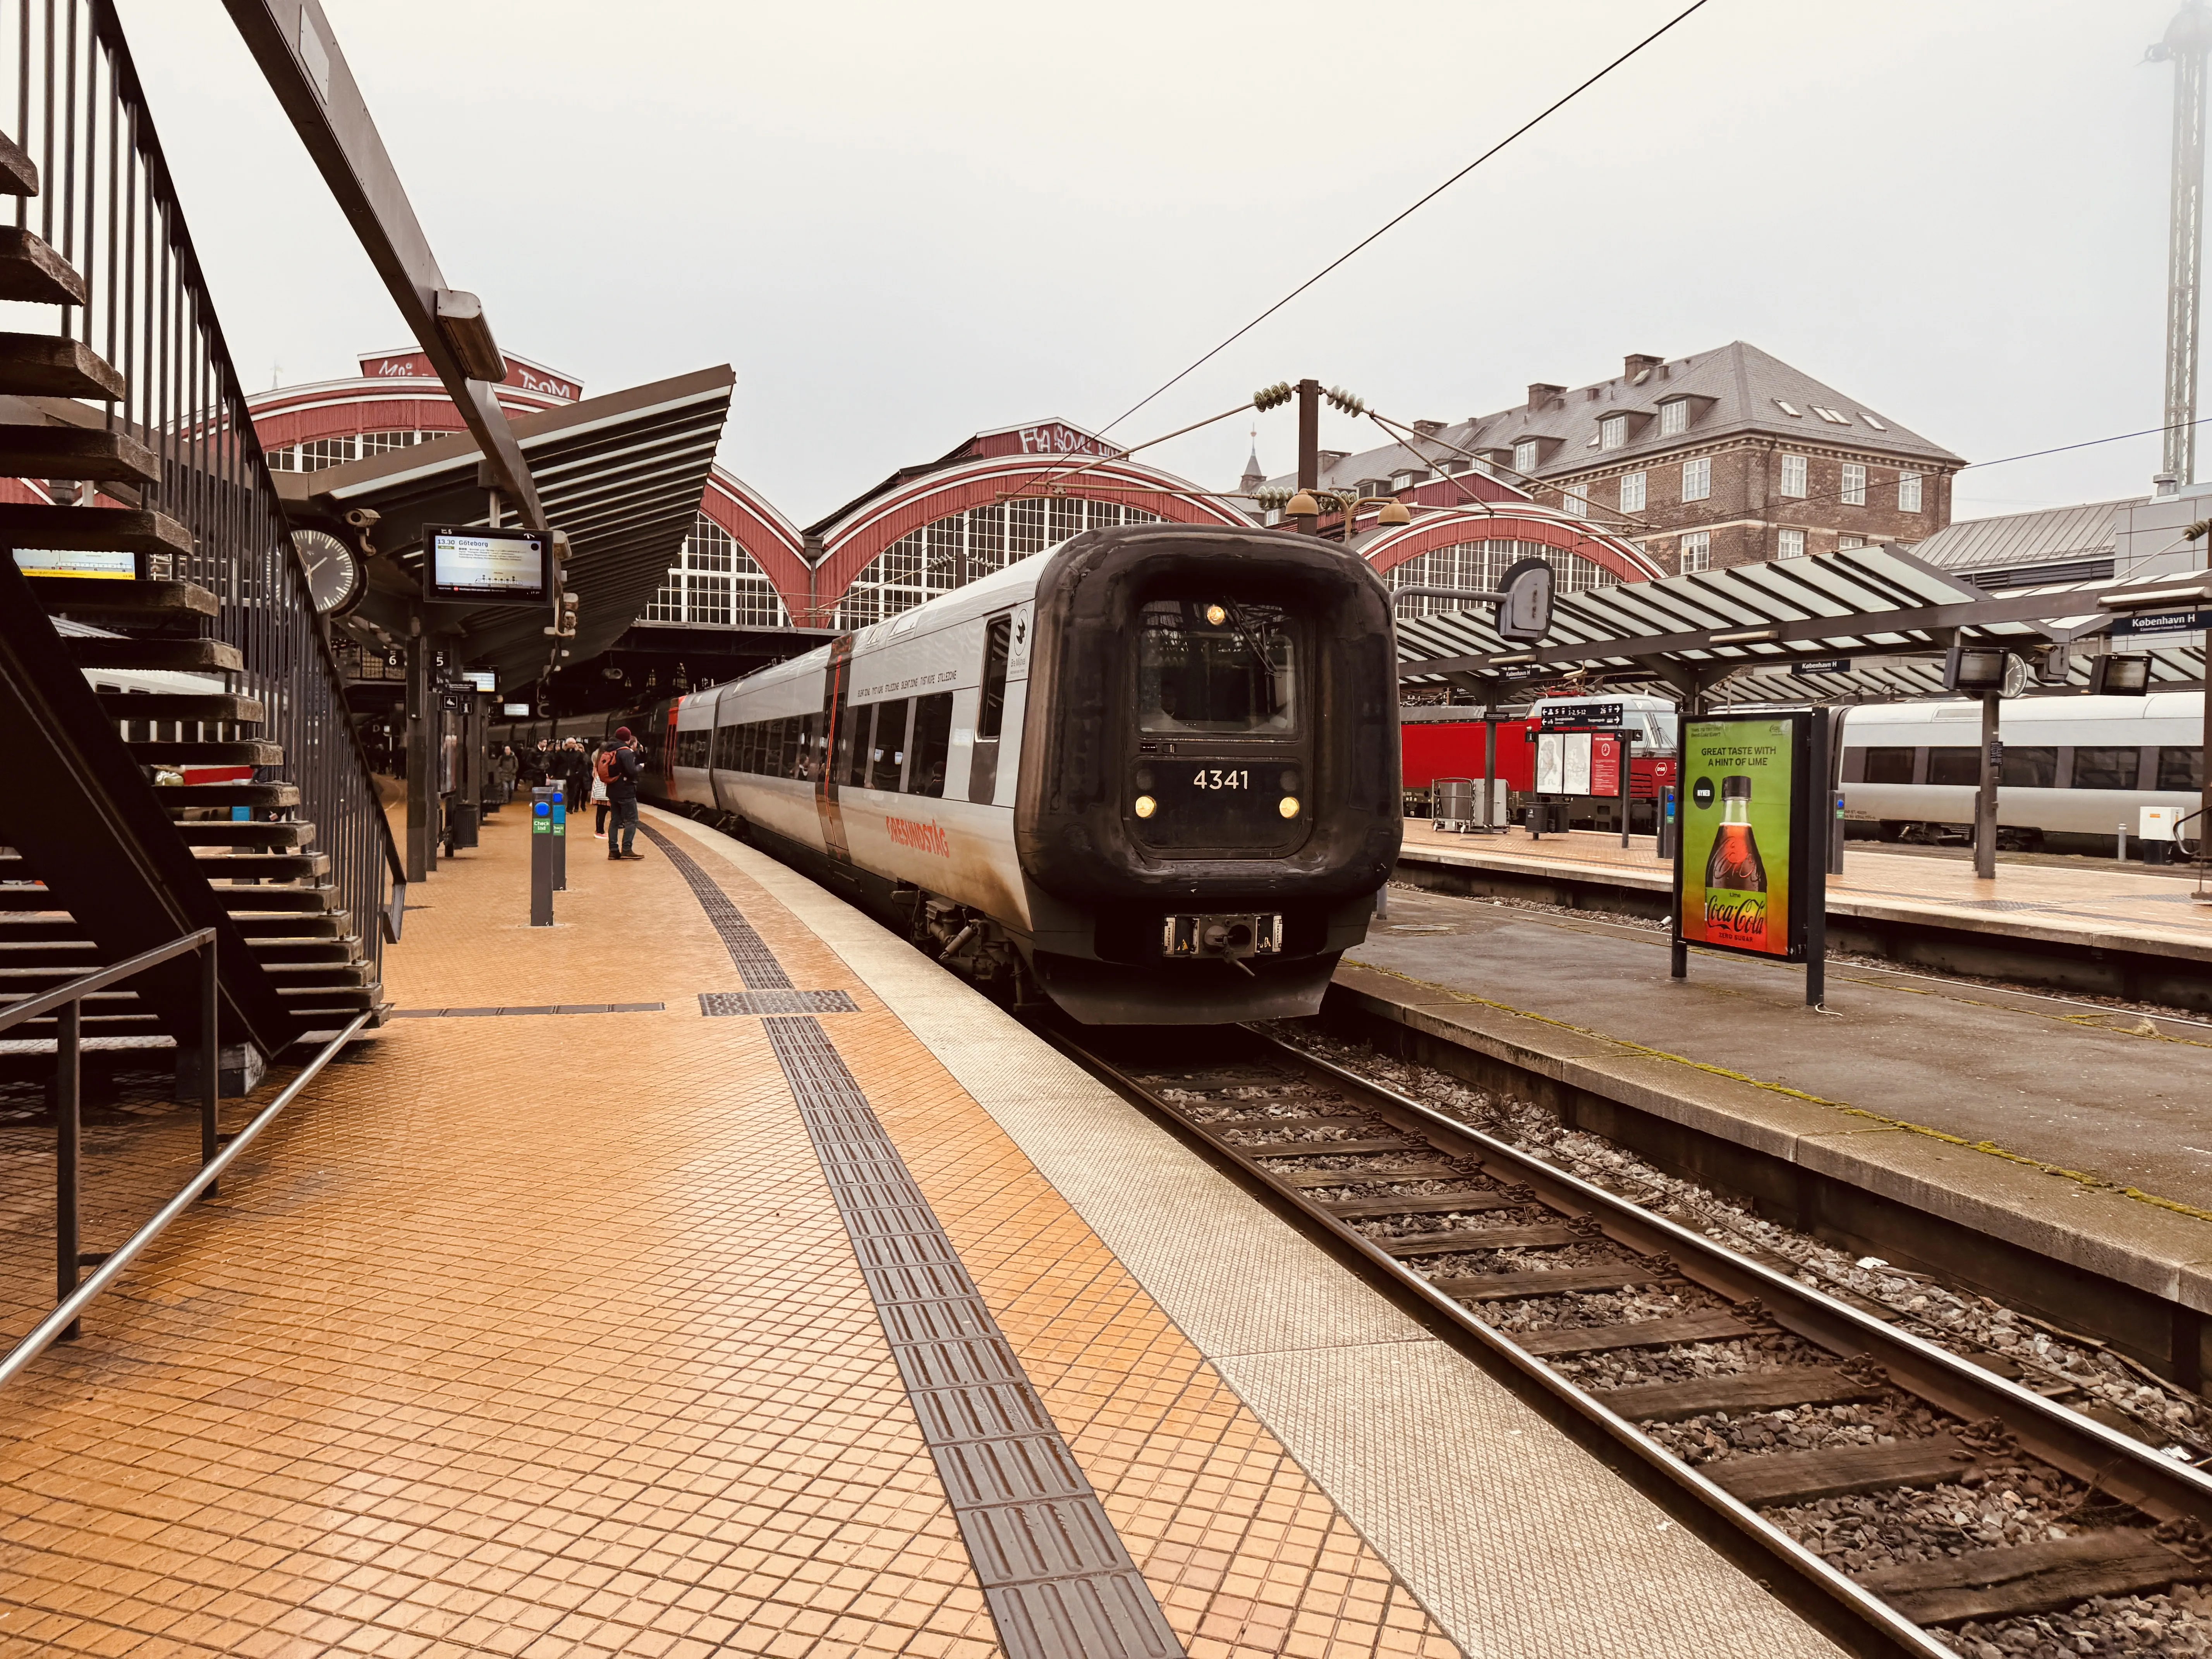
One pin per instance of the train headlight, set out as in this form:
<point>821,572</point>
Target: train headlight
<point>1147,806</point>
<point>1215,614</point>
<point>1288,806</point>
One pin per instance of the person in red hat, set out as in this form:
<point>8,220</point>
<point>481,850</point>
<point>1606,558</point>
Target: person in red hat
<point>625,766</point>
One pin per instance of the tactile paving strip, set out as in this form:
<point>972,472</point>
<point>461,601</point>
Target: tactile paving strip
<point>1059,1581</point>
<point>716,1003</point>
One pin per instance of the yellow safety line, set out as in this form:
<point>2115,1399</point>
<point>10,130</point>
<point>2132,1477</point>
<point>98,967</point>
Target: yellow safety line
<point>1989,1146</point>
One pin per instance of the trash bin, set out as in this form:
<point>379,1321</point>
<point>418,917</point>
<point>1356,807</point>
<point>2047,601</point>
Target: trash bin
<point>1454,807</point>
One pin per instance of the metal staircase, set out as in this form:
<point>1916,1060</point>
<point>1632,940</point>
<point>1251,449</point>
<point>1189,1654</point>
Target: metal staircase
<point>202,652</point>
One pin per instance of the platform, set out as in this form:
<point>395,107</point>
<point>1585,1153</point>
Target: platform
<point>2082,1134</point>
<point>538,1327</point>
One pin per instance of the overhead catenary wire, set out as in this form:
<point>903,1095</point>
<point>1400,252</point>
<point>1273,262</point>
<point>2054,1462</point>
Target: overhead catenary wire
<point>1392,223</point>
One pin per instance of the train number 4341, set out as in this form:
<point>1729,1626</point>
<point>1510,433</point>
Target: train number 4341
<point>1216,780</point>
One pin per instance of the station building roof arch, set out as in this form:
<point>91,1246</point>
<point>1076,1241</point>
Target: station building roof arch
<point>1047,473</point>
<point>1443,547</point>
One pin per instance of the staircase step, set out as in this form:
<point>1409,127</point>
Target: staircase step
<point>74,451</point>
<point>246,832</point>
<point>14,897</point>
<point>246,752</point>
<point>19,174</point>
<point>146,602</point>
<point>260,931</point>
<point>271,953</point>
<point>264,866</point>
<point>307,975</point>
<point>178,796</point>
<point>180,706</point>
<point>54,366</point>
<point>79,956</point>
<point>31,271</point>
<point>16,929</point>
<point>93,529</point>
<point>330,998</point>
<point>132,656</point>
<point>307,901</point>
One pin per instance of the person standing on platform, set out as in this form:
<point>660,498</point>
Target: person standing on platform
<point>576,777</point>
<point>506,769</point>
<point>602,766</point>
<point>627,768</point>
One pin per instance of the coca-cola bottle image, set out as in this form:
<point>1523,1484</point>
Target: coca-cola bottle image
<point>1736,877</point>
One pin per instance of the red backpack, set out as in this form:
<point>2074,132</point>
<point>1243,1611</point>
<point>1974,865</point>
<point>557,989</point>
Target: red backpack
<point>604,767</point>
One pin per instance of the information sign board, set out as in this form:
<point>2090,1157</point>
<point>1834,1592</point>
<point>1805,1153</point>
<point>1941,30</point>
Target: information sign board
<point>1576,768</point>
<point>478,565</point>
<point>2190,620</point>
<point>1821,666</point>
<point>1550,763</point>
<point>1740,876</point>
<point>1605,765</point>
<point>1579,717</point>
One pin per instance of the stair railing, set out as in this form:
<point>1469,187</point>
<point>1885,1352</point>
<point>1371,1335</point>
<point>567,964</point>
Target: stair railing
<point>108,205</point>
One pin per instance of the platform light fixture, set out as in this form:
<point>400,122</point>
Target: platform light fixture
<point>462,323</point>
<point>1302,506</point>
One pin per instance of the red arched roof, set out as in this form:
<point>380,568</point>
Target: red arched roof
<point>855,544</point>
<point>1519,521</point>
<point>770,539</point>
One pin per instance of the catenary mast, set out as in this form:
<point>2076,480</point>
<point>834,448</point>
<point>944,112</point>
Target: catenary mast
<point>2187,40</point>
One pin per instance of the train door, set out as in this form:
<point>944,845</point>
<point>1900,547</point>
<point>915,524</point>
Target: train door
<point>837,737</point>
<point>991,713</point>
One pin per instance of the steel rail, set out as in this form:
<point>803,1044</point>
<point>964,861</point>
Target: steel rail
<point>1853,1617</point>
<point>43,1334</point>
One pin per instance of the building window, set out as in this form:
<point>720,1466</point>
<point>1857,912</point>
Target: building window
<point>715,582</point>
<point>1850,541</point>
<point>320,453</point>
<point>1789,409</point>
<point>1908,492</point>
<point>1792,475</point>
<point>961,547</point>
<point>1675,417</point>
<point>1524,456</point>
<point>1696,552</point>
<point>1698,478</point>
<point>1576,502</point>
<point>1481,464</point>
<point>1834,417</point>
<point>1791,544</point>
<point>1853,490</point>
<point>1482,566</point>
<point>1632,492</point>
<point>382,443</point>
<point>1613,432</point>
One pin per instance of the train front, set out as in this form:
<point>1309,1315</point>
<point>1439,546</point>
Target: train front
<point>1208,793</point>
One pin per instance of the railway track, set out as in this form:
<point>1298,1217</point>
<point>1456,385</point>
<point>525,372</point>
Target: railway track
<point>1758,1411</point>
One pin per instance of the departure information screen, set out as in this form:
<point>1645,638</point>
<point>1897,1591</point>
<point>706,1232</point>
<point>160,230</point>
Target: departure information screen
<point>486,567</point>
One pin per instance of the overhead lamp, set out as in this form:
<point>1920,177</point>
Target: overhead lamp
<point>2138,598</point>
<point>462,323</point>
<point>1744,636</point>
<point>1393,511</point>
<point>1302,504</point>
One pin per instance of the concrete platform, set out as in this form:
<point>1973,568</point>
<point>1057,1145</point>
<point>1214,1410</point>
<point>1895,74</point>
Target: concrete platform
<point>563,1323</point>
<point>2122,930</point>
<point>2079,1134</point>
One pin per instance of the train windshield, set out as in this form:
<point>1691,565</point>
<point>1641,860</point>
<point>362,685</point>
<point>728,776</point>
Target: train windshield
<point>1214,666</point>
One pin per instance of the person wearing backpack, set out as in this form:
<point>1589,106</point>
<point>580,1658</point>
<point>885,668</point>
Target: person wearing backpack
<point>603,764</point>
<point>627,768</point>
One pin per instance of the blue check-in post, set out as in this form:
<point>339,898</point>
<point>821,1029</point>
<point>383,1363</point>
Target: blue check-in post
<point>560,843</point>
<point>548,829</point>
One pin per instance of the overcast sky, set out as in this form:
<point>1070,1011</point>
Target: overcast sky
<point>903,223</point>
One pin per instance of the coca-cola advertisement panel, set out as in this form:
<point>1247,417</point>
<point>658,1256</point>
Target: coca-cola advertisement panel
<point>1738,886</point>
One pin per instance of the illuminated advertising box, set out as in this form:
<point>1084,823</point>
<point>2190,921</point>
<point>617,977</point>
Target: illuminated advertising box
<point>477,566</point>
<point>1740,882</point>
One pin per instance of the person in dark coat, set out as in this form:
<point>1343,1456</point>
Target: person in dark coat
<point>576,776</point>
<point>621,795</point>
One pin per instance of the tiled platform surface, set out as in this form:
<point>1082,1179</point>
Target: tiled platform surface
<point>540,1333</point>
<point>2086,905</point>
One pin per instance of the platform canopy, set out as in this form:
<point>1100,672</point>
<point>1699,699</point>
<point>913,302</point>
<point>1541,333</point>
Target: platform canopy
<point>1768,632</point>
<point>622,475</point>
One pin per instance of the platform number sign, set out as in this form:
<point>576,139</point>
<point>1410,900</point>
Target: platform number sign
<point>1739,861</point>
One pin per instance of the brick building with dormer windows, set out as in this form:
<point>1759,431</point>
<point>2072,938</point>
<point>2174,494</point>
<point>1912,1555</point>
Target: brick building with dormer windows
<point>1723,458</point>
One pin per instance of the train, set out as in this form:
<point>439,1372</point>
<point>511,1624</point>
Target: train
<point>2076,770</point>
<point>1149,775</point>
<point>1446,741</point>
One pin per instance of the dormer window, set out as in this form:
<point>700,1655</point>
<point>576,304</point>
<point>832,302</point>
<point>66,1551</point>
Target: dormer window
<point>1613,432</point>
<point>1675,417</point>
<point>1524,456</point>
<point>1834,417</point>
<point>1789,409</point>
<point>1871,421</point>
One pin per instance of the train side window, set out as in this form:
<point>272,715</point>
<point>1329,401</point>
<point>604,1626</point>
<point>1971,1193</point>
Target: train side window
<point>2031,768</point>
<point>930,742</point>
<point>996,643</point>
<point>763,747</point>
<point>723,737</point>
<point>2181,768</point>
<point>890,747</point>
<point>1889,766</point>
<point>1951,764</point>
<point>852,747</point>
<point>812,753</point>
<point>2105,769</point>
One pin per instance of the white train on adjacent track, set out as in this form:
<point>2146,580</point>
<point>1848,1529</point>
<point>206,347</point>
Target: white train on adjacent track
<point>2077,770</point>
